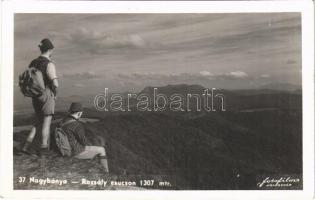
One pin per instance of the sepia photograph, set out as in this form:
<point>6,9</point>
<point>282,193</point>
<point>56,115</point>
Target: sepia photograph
<point>159,101</point>
<point>182,99</point>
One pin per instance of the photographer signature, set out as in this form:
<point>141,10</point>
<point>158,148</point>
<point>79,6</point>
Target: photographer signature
<point>278,182</point>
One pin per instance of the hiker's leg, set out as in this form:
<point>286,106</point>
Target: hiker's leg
<point>36,125</point>
<point>100,151</point>
<point>31,135</point>
<point>29,139</point>
<point>26,148</point>
<point>47,108</point>
<point>104,163</point>
<point>46,130</point>
<point>92,151</point>
<point>103,159</point>
<point>44,149</point>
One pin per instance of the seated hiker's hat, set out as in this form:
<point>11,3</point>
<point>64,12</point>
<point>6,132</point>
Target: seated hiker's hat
<point>75,107</point>
<point>45,44</point>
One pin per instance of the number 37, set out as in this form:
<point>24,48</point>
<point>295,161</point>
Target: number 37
<point>21,179</point>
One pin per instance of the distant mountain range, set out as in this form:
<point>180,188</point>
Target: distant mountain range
<point>234,97</point>
<point>281,87</point>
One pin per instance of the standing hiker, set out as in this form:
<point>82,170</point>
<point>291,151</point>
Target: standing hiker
<point>44,102</point>
<point>77,140</point>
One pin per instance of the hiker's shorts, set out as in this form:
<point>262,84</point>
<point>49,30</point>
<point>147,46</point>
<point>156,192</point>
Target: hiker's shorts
<point>44,105</point>
<point>91,151</point>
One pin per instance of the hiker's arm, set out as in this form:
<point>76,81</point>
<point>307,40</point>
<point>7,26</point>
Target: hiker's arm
<point>52,75</point>
<point>55,86</point>
<point>80,134</point>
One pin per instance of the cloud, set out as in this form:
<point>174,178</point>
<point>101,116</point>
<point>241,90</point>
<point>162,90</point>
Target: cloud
<point>205,73</point>
<point>98,42</point>
<point>225,76</point>
<point>291,61</point>
<point>265,76</point>
<point>79,85</point>
<point>237,74</point>
<point>82,75</point>
<point>229,80</point>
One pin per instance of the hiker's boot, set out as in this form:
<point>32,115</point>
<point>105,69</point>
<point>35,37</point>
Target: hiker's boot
<point>43,152</point>
<point>26,146</point>
<point>17,152</point>
<point>104,163</point>
<point>28,150</point>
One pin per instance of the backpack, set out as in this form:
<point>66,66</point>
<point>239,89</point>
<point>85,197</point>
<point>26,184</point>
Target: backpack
<point>31,82</point>
<point>62,141</point>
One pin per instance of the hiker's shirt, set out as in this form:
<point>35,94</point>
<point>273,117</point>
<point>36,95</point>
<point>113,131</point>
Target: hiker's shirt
<point>76,136</point>
<point>48,69</point>
<point>44,105</point>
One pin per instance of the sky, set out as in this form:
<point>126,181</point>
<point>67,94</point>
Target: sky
<point>127,52</point>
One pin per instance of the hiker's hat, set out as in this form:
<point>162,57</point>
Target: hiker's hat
<point>45,45</point>
<point>75,107</point>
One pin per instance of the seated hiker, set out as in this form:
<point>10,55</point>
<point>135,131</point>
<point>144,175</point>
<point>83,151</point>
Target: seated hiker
<point>76,137</point>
